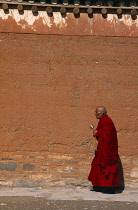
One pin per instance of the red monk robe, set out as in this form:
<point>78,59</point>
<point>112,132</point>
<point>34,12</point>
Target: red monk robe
<point>104,171</point>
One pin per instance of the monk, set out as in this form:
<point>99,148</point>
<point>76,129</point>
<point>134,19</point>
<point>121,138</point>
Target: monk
<point>104,173</point>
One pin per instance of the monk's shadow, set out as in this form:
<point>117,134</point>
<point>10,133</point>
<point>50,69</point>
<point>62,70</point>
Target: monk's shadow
<point>121,186</point>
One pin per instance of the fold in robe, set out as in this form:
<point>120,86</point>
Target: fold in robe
<point>104,168</point>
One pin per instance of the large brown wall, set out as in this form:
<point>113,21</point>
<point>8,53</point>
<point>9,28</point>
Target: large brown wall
<point>50,86</point>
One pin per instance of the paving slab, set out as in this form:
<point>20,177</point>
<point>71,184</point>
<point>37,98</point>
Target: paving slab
<point>69,193</point>
<point>41,203</point>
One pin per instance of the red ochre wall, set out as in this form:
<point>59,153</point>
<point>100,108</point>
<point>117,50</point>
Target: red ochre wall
<point>50,86</point>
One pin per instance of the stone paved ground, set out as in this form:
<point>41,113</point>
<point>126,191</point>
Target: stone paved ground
<point>66,198</point>
<point>70,193</point>
<point>41,203</point>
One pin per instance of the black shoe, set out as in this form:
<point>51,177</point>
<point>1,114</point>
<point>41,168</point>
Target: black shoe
<point>97,189</point>
<point>109,190</point>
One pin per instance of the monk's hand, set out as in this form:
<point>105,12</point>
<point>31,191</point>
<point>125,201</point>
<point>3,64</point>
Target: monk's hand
<point>94,132</point>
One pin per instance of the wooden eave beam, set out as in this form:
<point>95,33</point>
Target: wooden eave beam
<point>66,6</point>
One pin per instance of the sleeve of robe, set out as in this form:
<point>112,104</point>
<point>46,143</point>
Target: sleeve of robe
<point>107,141</point>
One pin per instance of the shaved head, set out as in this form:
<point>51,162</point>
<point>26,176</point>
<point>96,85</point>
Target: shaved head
<point>100,111</point>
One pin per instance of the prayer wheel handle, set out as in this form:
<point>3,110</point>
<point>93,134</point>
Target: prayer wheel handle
<point>91,126</point>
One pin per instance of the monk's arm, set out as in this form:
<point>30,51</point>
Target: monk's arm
<point>98,133</point>
<point>105,129</point>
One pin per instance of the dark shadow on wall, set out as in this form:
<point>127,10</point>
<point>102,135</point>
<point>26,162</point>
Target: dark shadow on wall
<point>121,186</point>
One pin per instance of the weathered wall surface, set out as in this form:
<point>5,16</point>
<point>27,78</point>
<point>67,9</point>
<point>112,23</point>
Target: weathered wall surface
<point>50,86</point>
<point>41,23</point>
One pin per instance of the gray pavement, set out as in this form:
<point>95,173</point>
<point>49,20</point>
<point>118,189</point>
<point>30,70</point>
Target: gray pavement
<point>65,198</point>
<point>41,203</point>
<point>70,193</point>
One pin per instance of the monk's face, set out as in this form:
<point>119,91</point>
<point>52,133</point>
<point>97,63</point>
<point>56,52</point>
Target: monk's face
<point>99,113</point>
